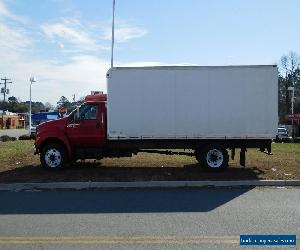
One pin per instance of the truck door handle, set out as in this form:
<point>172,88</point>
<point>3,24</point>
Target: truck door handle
<point>98,125</point>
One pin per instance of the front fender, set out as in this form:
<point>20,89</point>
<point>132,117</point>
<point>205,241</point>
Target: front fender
<point>55,136</point>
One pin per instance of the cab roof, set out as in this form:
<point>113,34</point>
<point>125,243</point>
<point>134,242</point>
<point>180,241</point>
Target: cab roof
<point>96,98</point>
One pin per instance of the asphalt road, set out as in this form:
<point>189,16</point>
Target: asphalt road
<point>145,219</point>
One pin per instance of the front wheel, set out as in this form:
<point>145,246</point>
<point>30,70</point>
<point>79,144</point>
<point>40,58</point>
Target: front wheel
<point>213,158</point>
<point>53,156</point>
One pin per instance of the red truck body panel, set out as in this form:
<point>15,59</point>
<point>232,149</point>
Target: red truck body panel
<point>53,131</point>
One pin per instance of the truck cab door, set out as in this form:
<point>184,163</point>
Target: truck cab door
<point>87,128</point>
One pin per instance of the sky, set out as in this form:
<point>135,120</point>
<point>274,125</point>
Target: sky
<point>65,44</point>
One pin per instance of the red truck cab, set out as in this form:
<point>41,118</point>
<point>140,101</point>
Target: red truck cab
<point>82,134</point>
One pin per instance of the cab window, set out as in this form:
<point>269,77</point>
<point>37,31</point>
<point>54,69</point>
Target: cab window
<point>88,112</point>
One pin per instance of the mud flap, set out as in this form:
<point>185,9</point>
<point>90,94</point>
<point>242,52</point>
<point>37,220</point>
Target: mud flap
<point>243,157</point>
<point>232,153</point>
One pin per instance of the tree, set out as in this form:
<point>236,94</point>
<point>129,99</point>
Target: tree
<point>289,76</point>
<point>63,102</point>
<point>16,106</point>
<point>76,103</point>
<point>12,99</point>
<point>48,106</point>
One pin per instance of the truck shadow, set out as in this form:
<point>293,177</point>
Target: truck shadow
<point>121,200</point>
<point>98,172</point>
<point>118,201</point>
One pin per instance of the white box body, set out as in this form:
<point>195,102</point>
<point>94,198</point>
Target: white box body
<point>215,102</point>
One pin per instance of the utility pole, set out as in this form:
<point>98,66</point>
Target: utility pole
<point>32,80</point>
<point>113,35</point>
<point>292,89</point>
<point>4,91</point>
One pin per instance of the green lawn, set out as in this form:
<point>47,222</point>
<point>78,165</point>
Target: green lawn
<point>285,154</point>
<point>16,153</point>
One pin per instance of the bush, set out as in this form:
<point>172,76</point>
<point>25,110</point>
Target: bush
<point>25,137</point>
<point>5,138</point>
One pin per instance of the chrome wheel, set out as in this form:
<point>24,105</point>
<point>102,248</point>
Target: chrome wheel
<point>53,158</point>
<point>214,158</point>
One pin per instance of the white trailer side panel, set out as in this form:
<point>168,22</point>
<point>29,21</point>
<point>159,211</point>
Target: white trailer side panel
<point>192,102</point>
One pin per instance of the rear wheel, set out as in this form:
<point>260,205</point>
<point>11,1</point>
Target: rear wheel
<point>53,156</point>
<point>213,158</point>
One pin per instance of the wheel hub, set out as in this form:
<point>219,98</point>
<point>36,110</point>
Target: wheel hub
<point>214,158</point>
<point>53,158</point>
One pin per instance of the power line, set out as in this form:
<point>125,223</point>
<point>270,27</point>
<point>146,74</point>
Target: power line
<point>4,91</point>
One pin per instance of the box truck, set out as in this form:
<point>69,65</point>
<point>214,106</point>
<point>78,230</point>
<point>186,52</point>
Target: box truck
<point>209,110</point>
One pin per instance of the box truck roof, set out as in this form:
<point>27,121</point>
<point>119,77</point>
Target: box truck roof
<point>182,67</point>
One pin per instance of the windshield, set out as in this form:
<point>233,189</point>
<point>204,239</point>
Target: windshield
<point>282,131</point>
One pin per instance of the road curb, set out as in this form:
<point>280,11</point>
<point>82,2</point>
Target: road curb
<point>144,184</point>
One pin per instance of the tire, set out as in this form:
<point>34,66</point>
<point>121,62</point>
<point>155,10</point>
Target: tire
<point>53,156</point>
<point>213,158</point>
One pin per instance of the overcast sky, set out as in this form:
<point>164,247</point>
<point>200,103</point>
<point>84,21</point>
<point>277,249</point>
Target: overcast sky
<point>65,44</point>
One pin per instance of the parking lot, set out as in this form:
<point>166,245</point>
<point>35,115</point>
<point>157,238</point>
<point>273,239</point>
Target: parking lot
<point>13,132</point>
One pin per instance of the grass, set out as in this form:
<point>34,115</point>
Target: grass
<point>16,153</point>
<point>18,163</point>
<point>284,164</point>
